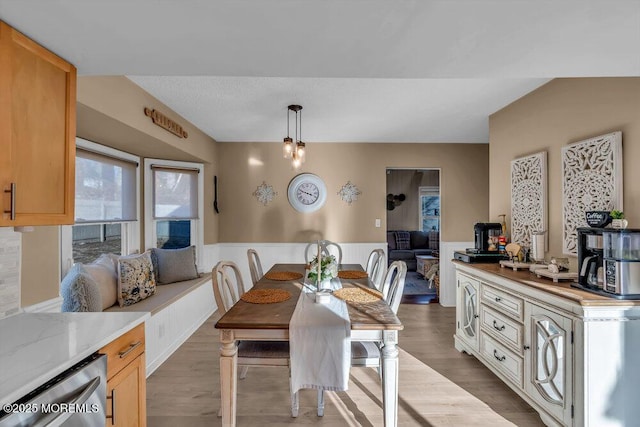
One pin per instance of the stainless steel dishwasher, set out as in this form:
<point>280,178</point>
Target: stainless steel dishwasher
<point>75,398</point>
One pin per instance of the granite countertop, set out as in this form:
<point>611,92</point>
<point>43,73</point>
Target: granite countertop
<point>35,347</point>
<point>562,288</point>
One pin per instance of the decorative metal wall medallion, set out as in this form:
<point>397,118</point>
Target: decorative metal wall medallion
<point>591,181</point>
<point>264,193</point>
<point>349,192</point>
<point>528,197</point>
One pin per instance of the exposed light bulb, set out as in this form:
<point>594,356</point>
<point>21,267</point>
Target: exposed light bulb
<point>300,150</point>
<point>287,148</point>
<point>296,161</point>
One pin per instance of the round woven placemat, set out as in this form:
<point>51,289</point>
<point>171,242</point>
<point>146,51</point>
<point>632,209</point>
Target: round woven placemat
<point>265,296</point>
<point>352,274</point>
<point>283,275</point>
<point>357,295</point>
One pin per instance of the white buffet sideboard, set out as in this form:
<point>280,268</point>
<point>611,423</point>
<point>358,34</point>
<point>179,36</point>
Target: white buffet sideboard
<point>572,355</point>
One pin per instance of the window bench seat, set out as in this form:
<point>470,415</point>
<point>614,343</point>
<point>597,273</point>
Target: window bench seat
<point>177,310</point>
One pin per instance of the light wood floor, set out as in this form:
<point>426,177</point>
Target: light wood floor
<point>438,386</point>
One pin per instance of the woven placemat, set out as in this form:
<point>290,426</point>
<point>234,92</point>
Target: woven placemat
<point>283,275</point>
<point>265,296</point>
<point>352,274</point>
<point>357,295</point>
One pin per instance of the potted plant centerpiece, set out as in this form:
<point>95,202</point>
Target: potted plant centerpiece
<point>328,270</point>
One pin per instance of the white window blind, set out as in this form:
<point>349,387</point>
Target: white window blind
<point>175,193</point>
<point>105,189</point>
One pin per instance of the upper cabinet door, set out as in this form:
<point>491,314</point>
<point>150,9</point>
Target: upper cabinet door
<point>37,133</point>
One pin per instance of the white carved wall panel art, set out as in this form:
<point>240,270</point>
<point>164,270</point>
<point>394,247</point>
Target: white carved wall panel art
<point>591,181</point>
<point>528,197</point>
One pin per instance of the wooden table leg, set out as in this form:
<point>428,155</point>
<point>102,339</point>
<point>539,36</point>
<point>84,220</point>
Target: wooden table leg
<point>228,377</point>
<point>390,378</point>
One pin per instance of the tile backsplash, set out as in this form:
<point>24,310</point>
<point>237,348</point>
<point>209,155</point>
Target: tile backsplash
<point>9,271</point>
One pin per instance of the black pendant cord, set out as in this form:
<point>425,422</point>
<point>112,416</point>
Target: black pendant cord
<point>215,194</point>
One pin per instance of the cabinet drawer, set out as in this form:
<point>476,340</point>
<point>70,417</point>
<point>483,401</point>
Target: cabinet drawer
<point>503,359</point>
<point>503,301</point>
<point>123,350</point>
<point>503,327</point>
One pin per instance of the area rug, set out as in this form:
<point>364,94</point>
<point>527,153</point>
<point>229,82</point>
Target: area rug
<point>417,290</point>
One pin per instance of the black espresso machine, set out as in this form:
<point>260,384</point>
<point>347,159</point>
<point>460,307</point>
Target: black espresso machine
<point>486,236</point>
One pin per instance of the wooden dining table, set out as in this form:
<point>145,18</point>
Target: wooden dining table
<point>270,322</point>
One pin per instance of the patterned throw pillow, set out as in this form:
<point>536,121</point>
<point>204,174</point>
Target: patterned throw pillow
<point>434,240</point>
<point>136,280</point>
<point>403,240</point>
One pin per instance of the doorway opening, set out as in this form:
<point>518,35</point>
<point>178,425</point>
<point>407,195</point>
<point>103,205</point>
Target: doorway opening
<point>413,229</point>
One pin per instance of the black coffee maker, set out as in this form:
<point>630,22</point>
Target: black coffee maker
<point>590,257</point>
<point>486,237</point>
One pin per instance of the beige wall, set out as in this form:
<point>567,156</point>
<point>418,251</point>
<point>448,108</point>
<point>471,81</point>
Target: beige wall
<point>406,215</point>
<point>244,166</point>
<point>559,113</point>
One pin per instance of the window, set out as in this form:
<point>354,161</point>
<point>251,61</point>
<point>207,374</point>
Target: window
<point>106,205</point>
<point>429,208</point>
<point>173,204</point>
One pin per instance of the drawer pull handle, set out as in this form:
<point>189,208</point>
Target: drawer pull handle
<point>132,347</point>
<point>475,316</point>
<point>12,210</point>
<point>498,358</point>
<point>526,347</point>
<point>498,328</point>
<point>498,299</point>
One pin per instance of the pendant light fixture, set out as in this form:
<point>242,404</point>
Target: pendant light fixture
<point>294,149</point>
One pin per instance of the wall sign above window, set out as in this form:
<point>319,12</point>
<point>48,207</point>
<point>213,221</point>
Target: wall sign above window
<point>165,123</point>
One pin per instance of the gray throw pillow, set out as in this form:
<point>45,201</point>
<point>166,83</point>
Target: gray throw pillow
<point>174,265</point>
<point>79,291</point>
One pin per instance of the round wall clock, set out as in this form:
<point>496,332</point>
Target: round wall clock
<point>307,192</point>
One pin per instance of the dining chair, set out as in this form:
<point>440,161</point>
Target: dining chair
<point>367,353</point>
<point>255,267</point>
<point>326,246</point>
<point>376,267</point>
<point>227,290</point>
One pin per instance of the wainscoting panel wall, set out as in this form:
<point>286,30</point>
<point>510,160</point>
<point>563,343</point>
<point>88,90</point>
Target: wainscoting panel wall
<point>448,271</point>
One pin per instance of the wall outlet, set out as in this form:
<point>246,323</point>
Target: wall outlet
<point>378,222</point>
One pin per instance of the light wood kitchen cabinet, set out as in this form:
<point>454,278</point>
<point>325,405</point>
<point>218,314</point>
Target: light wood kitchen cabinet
<point>126,380</point>
<point>37,133</point>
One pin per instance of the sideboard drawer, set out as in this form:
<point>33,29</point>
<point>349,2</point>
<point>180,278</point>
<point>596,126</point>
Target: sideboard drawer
<point>502,327</point>
<point>503,359</point>
<point>503,302</point>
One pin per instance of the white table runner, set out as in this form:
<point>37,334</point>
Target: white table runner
<point>320,343</point>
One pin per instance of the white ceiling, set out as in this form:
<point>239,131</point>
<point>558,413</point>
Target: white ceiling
<point>364,70</point>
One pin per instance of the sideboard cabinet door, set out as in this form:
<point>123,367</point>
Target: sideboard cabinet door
<point>467,310</point>
<point>37,133</point>
<point>548,361</point>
